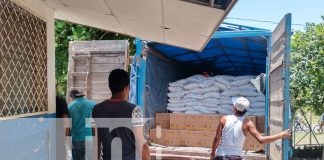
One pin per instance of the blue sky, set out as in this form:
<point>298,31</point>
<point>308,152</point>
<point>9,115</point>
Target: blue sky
<point>273,10</point>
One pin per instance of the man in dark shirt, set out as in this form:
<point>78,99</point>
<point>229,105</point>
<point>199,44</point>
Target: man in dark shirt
<point>61,108</point>
<point>61,130</point>
<point>118,107</point>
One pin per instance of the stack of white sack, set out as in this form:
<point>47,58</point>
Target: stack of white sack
<point>212,95</point>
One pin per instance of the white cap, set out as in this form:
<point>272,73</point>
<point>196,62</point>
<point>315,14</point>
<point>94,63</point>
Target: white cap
<point>241,103</point>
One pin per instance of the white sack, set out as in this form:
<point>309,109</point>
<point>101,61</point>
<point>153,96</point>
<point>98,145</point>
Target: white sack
<point>240,82</point>
<point>248,93</point>
<point>175,89</point>
<point>190,86</point>
<point>210,95</point>
<point>226,77</point>
<point>192,112</point>
<point>172,105</point>
<point>258,105</point>
<point>206,83</point>
<point>221,86</point>
<point>231,92</point>
<point>193,96</point>
<point>176,94</point>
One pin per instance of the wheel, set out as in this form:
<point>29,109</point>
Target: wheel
<point>318,129</point>
<point>297,127</point>
<point>304,127</point>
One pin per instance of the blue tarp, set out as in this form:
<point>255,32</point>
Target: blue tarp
<point>233,50</point>
<point>233,55</point>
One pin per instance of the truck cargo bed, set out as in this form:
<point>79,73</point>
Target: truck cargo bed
<point>192,153</point>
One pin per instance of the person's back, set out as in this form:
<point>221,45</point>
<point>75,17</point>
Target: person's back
<point>322,119</point>
<point>124,120</point>
<point>122,111</point>
<point>232,139</point>
<point>79,111</point>
<point>61,108</point>
<point>231,131</point>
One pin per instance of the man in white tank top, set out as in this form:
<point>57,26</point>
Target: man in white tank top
<point>231,132</point>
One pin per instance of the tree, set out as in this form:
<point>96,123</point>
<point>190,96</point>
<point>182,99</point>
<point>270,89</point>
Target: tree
<point>65,32</point>
<point>307,67</point>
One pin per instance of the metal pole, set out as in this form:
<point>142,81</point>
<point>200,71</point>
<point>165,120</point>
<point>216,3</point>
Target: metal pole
<point>310,127</point>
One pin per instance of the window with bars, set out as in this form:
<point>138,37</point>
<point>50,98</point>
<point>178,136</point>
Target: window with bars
<point>23,61</point>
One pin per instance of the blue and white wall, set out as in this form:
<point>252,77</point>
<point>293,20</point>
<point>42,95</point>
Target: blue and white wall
<point>23,137</point>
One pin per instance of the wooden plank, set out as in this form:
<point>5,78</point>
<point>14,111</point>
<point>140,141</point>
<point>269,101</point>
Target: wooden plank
<point>276,109</point>
<point>79,73</point>
<point>70,80</point>
<point>276,75</point>
<point>88,77</point>
<point>100,46</point>
<point>99,67</point>
<point>93,83</point>
<point>278,46</point>
<point>277,63</point>
<point>276,91</point>
<point>99,77</point>
<point>276,127</point>
<point>105,56</point>
<point>103,60</point>
<point>80,57</point>
<point>109,60</point>
<point>278,31</point>
<point>100,95</point>
<point>98,100</point>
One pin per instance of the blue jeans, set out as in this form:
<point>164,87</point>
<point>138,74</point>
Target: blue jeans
<point>80,150</point>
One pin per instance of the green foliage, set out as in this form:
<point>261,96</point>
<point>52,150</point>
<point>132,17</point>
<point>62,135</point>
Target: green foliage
<point>307,68</point>
<point>66,32</point>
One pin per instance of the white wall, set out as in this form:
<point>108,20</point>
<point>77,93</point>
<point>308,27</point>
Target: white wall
<point>33,138</point>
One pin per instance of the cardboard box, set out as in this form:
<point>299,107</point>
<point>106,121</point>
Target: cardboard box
<point>251,144</point>
<point>172,138</point>
<point>207,138</point>
<point>177,121</point>
<point>157,136</point>
<point>260,120</point>
<point>194,122</point>
<point>210,122</point>
<point>192,139</point>
<point>184,138</point>
<point>162,120</point>
<point>197,138</point>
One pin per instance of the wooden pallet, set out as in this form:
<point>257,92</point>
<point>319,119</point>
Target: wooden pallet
<point>90,63</point>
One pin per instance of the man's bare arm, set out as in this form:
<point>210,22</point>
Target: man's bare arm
<point>218,135</point>
<point>266,139</point>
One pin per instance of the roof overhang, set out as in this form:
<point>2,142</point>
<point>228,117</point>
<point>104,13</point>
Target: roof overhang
<point>182,23</point>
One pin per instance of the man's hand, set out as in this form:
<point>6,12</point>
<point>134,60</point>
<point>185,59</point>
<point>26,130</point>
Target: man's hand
<point>212,156</point>
<point>286,134</point>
